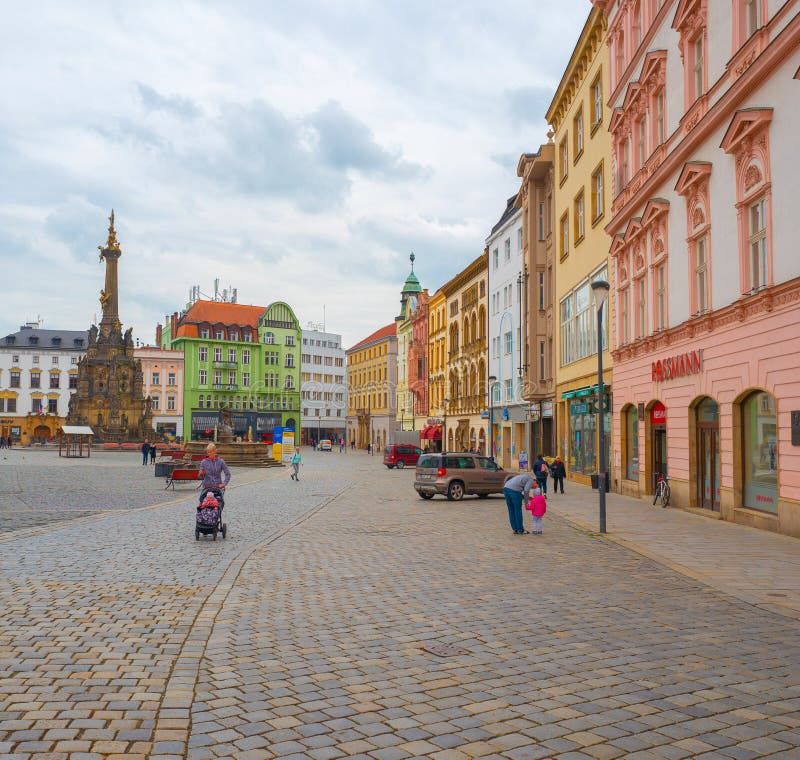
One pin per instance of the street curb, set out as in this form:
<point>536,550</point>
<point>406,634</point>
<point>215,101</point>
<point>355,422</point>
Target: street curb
<point>753,601</point>
<point>181,686</point>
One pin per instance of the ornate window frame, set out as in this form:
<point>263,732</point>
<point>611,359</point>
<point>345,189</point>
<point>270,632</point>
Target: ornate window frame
<point>693,185</point>
<point>747,140</point>
<point>691,21</point>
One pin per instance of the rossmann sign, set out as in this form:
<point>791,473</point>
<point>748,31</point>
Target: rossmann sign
<point>690,363</point>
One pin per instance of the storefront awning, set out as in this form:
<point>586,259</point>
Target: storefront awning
<point>431,433</point>
<point>587,390</point>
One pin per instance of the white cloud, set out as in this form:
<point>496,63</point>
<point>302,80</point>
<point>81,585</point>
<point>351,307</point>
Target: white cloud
<point>298,152</point>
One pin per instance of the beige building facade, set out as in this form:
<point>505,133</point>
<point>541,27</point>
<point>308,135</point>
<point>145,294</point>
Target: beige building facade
<point>162,371</point>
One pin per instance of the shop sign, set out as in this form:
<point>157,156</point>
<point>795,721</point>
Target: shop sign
<point>534,413</point>
<point>433,421</point>
<point>690,363</point>
<point>582,408</point>
<point>505,415</point>
<point>484,415</point>
<point>658,414</point>
<point>547,408</point>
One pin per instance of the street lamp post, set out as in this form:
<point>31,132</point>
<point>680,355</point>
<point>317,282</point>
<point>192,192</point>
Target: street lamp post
<point>601,288</point>
<point>492,382</point>
<point>444,425</point>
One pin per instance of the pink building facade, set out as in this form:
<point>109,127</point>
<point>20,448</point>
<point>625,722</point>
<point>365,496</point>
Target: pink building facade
<point>163,383</point>
<point>706,268</point>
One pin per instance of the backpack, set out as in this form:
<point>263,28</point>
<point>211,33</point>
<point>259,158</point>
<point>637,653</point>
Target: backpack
<point>543,468</point>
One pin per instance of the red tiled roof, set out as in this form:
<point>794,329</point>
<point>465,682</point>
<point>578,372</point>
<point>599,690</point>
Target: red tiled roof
<point>384,332</point>
<point>217,312</point>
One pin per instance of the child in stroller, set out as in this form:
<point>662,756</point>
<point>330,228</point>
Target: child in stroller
<point>209,514</point>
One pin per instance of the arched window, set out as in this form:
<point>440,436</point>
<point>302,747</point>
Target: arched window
<point>630,426</point>
<point>760,452</point>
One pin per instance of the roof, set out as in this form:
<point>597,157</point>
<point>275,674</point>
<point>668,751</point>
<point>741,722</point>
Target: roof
<point>382,334</point>
<point>218,313</point>
<point>76,430</point>
<point>412,284</point>
<point>45,338</point>
<point>510,211</point>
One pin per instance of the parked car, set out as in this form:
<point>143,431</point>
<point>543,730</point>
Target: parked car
<point>325,445</point>
<point>453,475</point>
<point>401,454</point>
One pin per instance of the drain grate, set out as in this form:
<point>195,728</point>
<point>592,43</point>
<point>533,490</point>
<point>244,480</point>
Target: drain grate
<point>445,650</point>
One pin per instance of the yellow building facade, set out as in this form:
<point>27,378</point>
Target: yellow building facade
<point>371,389</point>
<point>466,306</point>
<point>580,118</point>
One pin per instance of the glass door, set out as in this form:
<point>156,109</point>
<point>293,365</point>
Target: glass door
<point>709,470</point>
<point>659,452</point>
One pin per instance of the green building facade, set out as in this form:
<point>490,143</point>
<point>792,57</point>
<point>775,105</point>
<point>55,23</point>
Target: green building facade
<point>245,358</point>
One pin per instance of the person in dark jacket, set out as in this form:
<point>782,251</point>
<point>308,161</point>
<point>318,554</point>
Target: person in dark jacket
<point>153,452</point>
<point>559,472</point>
<point>145,451</point>
<point>540,472</point>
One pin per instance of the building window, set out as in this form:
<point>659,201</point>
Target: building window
<point>541,221</point>
<point>660,117</point>
<point>171,403</point>
<point>542,295</point>
<point>290,340</point>
<point>632,443</point>
<point>55,360</point>
<point>231,378</point>
<point>579,322</point>
<point>624,310</point>
<point>701,274</point>
<point>752,17</point>
<point>495,264</point>
<point>507,342</point>
<point>698,66</point>
<point>245,379</point>
<point>202,354</point>
<point>232,355</point>
<point>248,337</point>
<point>577,129</point>
<point>217,354</point>
<point>234,335</point>
<point>597,101</point>
<point>619,58</point>
<point>11,405</point>
<point>661,297</point>
<point>15,359</point>
<point>156,379</point>
<point>55,380</point>
<point>73,361</point>
<point>519,240</point>
<point>35,359</point>
<point>509,388</point>
<point>760,452</point>
<point>245,356</point>
<point>597,194</point>
<point>35,380</point>
<point>641,140</point>
<point>563,158</point>
<point>542,361</point>
<point>73,381</point>
<point>155,403</point>
<point>52,406</point>
<point>217,377</point>
<point>204,332</point>
<point>579,218</point>
<point>202,377</point>
<point>641,308</point>
<point>219,335</point>
<point>171,378</point>
<point>564,235</point>
<point>758,245</point>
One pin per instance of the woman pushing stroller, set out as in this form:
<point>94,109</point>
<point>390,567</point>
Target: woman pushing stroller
<point>216,476</point>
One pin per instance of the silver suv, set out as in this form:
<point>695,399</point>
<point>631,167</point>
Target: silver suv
<point>453,475</point>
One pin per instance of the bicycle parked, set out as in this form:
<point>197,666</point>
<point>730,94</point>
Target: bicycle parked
<point>662,492</point>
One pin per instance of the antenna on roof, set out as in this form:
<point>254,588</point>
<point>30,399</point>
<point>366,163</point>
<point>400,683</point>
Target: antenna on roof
<point>323,317</point>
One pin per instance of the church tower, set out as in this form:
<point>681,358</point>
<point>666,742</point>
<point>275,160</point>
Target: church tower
<point>110,394</point>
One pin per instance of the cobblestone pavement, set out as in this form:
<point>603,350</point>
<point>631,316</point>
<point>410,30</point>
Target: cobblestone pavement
<point>304,635</point>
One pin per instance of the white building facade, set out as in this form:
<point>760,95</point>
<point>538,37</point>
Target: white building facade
<point>323,386</point>
<point>38,374</point>
<point>506,356</point>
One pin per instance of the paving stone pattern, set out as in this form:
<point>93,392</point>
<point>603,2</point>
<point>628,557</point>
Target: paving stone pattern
<point>121,637</point>
<point>577,648</point>
<point>94,614</point>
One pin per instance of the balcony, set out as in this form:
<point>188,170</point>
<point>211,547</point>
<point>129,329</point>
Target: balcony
<point>225,386</point>
<point>225,365</point>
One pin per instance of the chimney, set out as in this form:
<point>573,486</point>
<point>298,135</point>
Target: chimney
<point>158,335</point>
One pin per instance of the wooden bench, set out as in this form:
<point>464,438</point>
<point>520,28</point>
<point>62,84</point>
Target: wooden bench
<point>182,476</point>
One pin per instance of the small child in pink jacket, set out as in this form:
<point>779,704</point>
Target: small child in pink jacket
<point>537,506</point>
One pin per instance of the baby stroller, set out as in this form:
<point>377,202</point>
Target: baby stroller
<point>209,514</point>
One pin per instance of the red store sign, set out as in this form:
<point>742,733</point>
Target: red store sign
<point>658,414</point>
<point>681,365</point>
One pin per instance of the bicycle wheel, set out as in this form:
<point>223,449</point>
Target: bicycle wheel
<point>657,494</point>
<point>665,497</point>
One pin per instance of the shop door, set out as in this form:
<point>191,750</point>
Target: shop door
<point>708,484</point>
<point>659,452</point>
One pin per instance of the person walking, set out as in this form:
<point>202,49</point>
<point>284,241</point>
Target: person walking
<point>559,472</point>
<point>541,471</point>
<point>515,490</point>
<point>297,460</point>
<point>145,451</point>
<point>537,506</point>
<point>213,468</point>
<point>153,452</point>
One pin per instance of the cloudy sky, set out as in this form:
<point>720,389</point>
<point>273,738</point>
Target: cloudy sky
<point>297,151</point>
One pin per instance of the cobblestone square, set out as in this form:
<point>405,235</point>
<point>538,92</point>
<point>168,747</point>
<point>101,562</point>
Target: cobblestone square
<point>305,634</point>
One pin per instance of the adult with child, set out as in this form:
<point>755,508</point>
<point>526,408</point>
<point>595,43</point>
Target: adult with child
<point>214,470</point>
<point>517,490</point>
<point>541,471</point>
<point>559,472</point>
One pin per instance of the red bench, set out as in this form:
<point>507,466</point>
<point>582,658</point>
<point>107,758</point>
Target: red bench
<point>182,476</point>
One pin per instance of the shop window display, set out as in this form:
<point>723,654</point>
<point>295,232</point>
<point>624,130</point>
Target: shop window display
<point>632,444</point>
<point>760,452</point>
